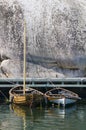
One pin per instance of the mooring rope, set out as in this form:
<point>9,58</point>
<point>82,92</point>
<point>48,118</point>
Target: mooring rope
<point>4,95</point>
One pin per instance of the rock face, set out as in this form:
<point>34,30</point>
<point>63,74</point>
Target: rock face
<point>55,38</point>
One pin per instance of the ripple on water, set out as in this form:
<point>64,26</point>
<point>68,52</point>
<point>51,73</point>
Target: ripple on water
<point>23,118</point>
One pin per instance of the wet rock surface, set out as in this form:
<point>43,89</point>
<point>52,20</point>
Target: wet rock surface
<point>55,38</point>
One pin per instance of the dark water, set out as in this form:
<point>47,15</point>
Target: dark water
<point>22,118</point>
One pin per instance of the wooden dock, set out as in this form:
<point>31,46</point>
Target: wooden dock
<point>44,82</point>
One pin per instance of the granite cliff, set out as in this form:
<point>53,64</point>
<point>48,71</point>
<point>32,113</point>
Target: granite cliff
<point>55,38</point>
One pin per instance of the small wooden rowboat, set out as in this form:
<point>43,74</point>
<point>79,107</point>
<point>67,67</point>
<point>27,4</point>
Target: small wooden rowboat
<point>61,96</point>
<point>31,97</point>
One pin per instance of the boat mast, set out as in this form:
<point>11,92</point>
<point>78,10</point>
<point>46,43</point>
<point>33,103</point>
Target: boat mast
<point>24,69</point>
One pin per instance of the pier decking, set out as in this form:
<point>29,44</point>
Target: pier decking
<point>44,82</point>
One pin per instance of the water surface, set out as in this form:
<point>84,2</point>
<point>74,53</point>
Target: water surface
<point>22,118</point>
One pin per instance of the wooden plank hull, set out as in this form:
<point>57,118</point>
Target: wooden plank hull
<point>22,99</point>
<point>61,96</point>
<point>63,101</point>
<point>32,97</point>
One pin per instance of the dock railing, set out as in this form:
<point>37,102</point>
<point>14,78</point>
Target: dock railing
<point>44,82</point>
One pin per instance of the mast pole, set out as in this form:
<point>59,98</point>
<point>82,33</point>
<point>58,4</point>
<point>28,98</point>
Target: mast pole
<point>24,69</point>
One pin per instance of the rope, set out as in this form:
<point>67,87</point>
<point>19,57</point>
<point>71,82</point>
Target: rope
<point>4,95</point>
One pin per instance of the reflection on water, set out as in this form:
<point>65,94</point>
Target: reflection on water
<point>61,112</point>
<point>13,117</point>
<point>29,116</point>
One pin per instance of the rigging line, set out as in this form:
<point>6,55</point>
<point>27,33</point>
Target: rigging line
<point>39,75</point>
<point>51,81</point>
<point>45,62</point>
<point>4,95</point>
<point>6,79</point>
<point>9,81</point>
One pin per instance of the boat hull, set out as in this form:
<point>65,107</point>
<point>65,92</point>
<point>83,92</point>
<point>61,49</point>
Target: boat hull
<point>61,96</point>
<point>22,99</point>
<point>32,97</point>
<point>62,101</point>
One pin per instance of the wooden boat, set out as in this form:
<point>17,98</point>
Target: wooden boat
<point>25,96</point>
<point>32,97</point>
<point>61,96</point>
